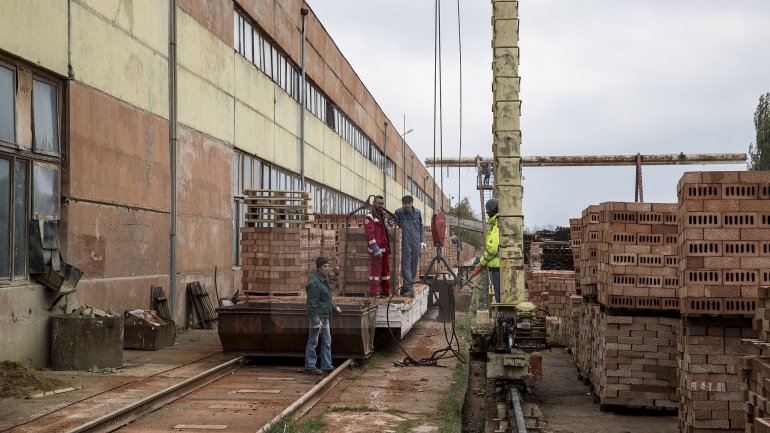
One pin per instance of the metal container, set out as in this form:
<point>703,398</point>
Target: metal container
<point>147,335</point>
<point>85,343</point>
<point>281,329</point>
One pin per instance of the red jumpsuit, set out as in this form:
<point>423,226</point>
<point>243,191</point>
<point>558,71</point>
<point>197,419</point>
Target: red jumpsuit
<point>377,234</point>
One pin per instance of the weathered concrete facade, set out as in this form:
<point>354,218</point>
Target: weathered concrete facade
<point>110,58</point>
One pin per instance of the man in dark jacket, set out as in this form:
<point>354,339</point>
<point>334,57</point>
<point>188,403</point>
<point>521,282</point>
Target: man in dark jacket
<point>319,310</point>
<point>409,219</point>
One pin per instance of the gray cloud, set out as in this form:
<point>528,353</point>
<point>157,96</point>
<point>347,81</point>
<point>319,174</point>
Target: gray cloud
<point>598,77</point>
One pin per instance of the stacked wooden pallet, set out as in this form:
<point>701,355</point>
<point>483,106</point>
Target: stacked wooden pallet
<point>277,208</point>
<point>724,245</point>
<point>755,373</point>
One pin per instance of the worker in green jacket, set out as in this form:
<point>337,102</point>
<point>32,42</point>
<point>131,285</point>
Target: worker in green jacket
<point>491,257</point>
<point>319,310</point>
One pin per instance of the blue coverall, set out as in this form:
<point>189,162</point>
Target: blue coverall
<point>412,235</point>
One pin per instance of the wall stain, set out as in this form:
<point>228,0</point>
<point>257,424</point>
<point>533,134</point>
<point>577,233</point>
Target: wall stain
<point>150,140</point>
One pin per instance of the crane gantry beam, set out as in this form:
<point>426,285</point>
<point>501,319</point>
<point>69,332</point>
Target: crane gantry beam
<point>600,160</point>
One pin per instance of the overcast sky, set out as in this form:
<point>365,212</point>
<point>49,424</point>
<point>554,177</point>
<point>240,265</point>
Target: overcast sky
<point>598,77</point>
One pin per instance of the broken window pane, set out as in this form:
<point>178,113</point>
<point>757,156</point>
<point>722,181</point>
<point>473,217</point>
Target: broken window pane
<point>20,221</point>
<point>46,120</point>
<point>7,127</point>
<point>46,190</point>
<point>5,218</point>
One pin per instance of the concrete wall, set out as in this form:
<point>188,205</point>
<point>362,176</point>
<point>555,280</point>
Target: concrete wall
<point>112,56</point>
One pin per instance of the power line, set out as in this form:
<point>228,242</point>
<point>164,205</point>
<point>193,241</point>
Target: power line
<point>460,49</point>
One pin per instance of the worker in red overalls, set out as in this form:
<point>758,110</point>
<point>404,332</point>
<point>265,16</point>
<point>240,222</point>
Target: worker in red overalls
<point>376,229</point>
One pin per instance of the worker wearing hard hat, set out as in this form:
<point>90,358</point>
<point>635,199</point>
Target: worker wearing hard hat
<point>491,258</point>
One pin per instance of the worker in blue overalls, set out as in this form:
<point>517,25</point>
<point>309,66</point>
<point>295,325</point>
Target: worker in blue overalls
<point>409,220</point>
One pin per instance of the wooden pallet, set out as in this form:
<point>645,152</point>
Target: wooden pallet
<point>159,303</point>
<point>202,306</point>
<point>267,207</point>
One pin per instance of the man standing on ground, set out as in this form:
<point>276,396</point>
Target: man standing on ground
<point>319,310</point>
<point>491,259</point>
<point>412,240</point>
<point>376,230</point>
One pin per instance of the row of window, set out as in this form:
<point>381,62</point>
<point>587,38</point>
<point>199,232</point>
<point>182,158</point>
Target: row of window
<point>29,172</point>
<point>259,50</point>
<point>417,192</point>
<point>252,173</point>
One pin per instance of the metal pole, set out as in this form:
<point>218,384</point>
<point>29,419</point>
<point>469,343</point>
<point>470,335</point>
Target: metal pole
<point>302,106</point>
<point>172,140</point>
<point>403,165</point>
<point>385,166</point>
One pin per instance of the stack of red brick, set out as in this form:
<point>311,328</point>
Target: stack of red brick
<point>724,246</point>
<point>637,266</point>
<point>279,260</point>
<point>756,370</point>
<point>628,351</point>
<point>575,236</point>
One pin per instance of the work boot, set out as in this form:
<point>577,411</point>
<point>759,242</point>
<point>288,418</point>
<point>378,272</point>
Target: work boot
<point>314,371</point>
<point>328,371</point>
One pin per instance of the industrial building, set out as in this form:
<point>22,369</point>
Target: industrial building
<point>95,97</point>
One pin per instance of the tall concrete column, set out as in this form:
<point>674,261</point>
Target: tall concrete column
<point>506,129</point>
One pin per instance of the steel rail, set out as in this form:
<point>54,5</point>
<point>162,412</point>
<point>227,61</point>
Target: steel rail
<point>518,415</point>
<point>310,398</point>
<point>114,420</point>
<point>600,160</point>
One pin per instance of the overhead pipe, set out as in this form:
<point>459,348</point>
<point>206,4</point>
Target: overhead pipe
<point>602,160</point>
<point>172,141</point>
<point>302,97</point>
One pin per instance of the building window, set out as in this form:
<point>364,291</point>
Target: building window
<point>44,107</point>
<point>7,115</point>
<point>29,168</point>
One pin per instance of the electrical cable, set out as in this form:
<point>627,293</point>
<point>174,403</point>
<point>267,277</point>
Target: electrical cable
<point>460,153</point>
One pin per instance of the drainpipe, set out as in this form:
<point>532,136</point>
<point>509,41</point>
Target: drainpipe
<point>302,106</point>
<point>403,160</point>
<point>172,152</point>
<point>385,166</point>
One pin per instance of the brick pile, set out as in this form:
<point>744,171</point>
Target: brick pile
<point>575,235</point>
<point>635,364</point>
<point>637,263</point>
<point>589,246</point>
<point>724,255</point>
<point>535,256</point>
<point>626,345</point>
<point>276,260</point>
<point>573,323</point>
<point>755,373</point>
<point>709,385</point>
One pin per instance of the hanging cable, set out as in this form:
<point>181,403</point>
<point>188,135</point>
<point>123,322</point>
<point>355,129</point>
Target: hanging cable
<point>460,152</point>
<point>440,103</point>
<point>435,74</point>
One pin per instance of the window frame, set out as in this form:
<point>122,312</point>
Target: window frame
<point>14,85</point>
<point>58,89</point>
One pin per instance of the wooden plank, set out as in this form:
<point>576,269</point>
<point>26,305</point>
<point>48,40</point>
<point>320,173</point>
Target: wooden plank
<point>200,427</point>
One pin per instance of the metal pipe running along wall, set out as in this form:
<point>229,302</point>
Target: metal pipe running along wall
<point>602,160</point>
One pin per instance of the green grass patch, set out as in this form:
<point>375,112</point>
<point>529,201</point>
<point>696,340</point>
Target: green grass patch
<point>313,425</point>
<point>372,361</point>
<point>450,417</point>
<point>404,426</point>
<point>352,409</point>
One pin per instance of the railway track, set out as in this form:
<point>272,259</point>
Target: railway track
<point>232,395</point>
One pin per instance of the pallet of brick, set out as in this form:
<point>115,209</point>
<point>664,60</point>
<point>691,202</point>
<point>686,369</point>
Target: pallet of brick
<point>755,373</point>
<point>724,240</point>
<point>635,361</point>
<point>637,256</point>
<point>574,323</point>
<point>589,250</point>
<point>275,260</point>
<point>538,281</point>
<point>576,239</point>
<point>355,261</point>
<point>710,385</point>
<point>585,355</point>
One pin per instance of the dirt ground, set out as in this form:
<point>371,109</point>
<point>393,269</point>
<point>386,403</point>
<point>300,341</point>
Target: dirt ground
<point>19,380</point>
<point>567,405</point>
<point>381,397</point>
